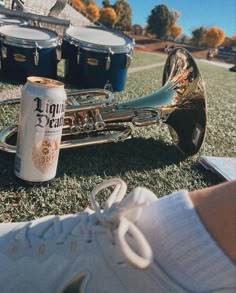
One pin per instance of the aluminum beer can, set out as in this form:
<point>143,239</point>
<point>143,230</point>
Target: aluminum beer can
<point>40,129</point>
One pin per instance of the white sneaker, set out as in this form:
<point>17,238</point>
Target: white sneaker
<point>99,251</point>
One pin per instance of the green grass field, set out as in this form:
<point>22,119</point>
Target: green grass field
<point>149,159</point>
<point>144,58</point>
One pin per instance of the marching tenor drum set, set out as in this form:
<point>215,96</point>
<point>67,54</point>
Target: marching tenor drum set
<point>94,57</point>
<point>96,60</point>
<point>27,51</point>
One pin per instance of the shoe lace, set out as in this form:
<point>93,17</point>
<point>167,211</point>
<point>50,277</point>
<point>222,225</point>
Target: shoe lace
<point>114,217</point>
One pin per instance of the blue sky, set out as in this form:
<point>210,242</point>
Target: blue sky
<point>194,13</point>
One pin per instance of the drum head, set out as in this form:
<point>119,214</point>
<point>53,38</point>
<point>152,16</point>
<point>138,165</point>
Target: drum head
<point>99,39</point>
<point>27,36</point>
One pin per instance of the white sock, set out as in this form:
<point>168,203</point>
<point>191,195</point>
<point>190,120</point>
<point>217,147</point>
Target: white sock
<point>182,246</point>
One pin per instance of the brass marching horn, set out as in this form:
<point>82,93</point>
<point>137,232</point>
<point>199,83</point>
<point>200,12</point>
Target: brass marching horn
<point>180,103</point>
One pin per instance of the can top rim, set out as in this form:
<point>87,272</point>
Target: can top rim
<point>45,82</point>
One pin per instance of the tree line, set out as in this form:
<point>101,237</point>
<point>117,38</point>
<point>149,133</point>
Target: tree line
<point>161,23</point>
<point>118,15</point>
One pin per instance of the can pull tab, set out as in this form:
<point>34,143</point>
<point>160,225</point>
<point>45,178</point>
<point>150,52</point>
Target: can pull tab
<point>108,59</point>
<point>36,55</point>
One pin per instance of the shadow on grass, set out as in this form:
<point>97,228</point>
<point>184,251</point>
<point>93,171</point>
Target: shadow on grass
<point>136,154</point>
<point>207,175</point>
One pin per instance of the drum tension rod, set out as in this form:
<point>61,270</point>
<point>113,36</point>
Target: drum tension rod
<point>36,55</point>
<point>78,54</point>
<point>108,59</point>
<point>4,51</point>
<point>129,57</point>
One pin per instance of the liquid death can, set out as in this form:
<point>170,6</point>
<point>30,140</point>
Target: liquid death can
<point>40,129</point>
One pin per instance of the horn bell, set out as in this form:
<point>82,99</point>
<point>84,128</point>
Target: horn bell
<point>187,119</point>
<point>180,102</point>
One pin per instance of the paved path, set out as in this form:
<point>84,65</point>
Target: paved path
<point>221,64</point>
<point>150,66</point>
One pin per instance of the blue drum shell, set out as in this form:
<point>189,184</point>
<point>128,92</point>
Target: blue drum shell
<point>91,71</point>
<point>96,57</point>
<point>19,63</point>
<point>27,51</point>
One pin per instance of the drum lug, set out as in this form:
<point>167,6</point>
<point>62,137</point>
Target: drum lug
<point>58,53</point>
<point>128,60</point>
<point>78,55</point>
<point>108,63</point>
<point>108,59</point>
<point>59,50</point>
<point>36,55</point>
<point>1,47</point>
<point>4,52</point>
<point>78,58</point>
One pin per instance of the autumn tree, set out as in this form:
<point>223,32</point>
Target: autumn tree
<point>160,21</point>
<point>175,31</point>
<point>88,2</point>
<point>175,15</point>
<point>227,42</point>
<point>108,16</point>
<point>185,39</point>
<point>198,36</point>
<point>106,4</point>
<point>124,15</point>
<point>78,4</point>
<point>214,37</point>
<point>93,10</point>
<point>137,29</point>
